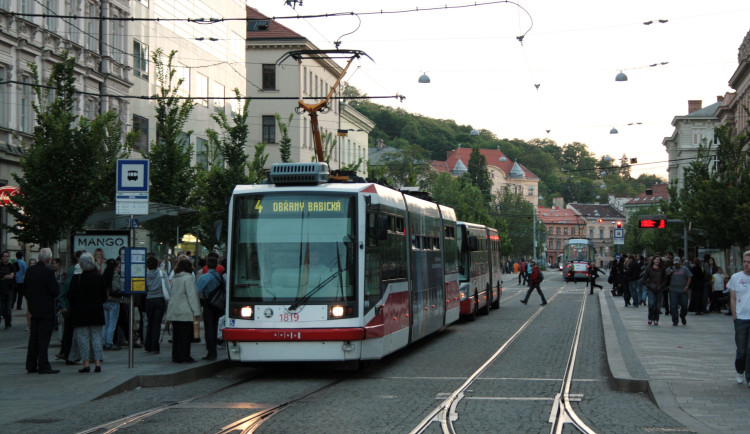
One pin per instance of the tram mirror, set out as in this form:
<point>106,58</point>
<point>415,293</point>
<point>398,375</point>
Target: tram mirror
<point>381,227</point>
<point>473,243</point>
<point>215,237</point>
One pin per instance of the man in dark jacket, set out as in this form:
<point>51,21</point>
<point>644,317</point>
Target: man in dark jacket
<point>41,291</point>
<point>7,279</point>
<point>206,284</point>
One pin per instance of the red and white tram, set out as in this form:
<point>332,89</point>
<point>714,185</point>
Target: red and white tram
<point>322,271</point>
<point>479,269</point>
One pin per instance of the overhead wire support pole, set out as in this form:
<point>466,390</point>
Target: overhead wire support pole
<point>314,108</point>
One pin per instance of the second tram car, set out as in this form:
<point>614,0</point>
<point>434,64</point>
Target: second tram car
<point>479,269</point>
<point>578,257</point>
<point>322,271</point>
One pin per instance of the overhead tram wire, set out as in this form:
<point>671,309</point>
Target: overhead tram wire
<point>202,20</point>
<point>149,97</point>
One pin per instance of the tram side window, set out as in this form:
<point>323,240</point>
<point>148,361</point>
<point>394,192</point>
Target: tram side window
<point>449,250</point>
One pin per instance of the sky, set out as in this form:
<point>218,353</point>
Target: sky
<point>481,75</point>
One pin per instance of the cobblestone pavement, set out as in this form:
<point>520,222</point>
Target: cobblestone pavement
<point>515,394</point>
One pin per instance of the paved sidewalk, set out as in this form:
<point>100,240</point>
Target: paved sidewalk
<point>32,395</point>
<point>688,370</point>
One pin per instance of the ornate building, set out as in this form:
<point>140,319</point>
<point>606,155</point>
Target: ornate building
<point>504,174</point>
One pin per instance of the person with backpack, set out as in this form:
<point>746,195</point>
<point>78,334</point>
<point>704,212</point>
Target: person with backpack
<point>535,279</point>
<point>208,283</point>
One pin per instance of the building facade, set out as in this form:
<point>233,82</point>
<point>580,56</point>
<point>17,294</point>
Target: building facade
<point>649,199</point>
<point>101,72</point>
<point>275,88</point>
<point>601,222</point>
<point>731,110</point>
<point>561,224</point>
<point>690,131</point>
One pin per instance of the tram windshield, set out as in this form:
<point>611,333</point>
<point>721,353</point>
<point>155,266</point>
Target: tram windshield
<point>293,248</point>
<point>579,252</point>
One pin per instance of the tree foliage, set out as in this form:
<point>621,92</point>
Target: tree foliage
<point>715,197</point>
<point>478,174</point>
<point>215,185</point>
<point>285,145</point>
<point>171,154</point>
<point>69,168</point>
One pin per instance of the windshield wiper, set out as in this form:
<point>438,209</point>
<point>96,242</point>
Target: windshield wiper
<point>297,303</point>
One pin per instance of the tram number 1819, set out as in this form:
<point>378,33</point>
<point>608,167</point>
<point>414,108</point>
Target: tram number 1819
<point>288,317</point>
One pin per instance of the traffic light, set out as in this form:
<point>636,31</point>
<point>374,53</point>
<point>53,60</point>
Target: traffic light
<point>619,224</point>
<point>600,220</point>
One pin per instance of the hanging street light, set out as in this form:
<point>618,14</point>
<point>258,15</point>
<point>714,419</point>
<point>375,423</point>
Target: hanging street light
<point>424,78</point>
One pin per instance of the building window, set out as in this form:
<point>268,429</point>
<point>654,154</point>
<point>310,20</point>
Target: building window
<point>51,10</point>
<point>565,231</point>
<point>201,89</point>
<point>218,97</point>
<point>92,29</point>
<point>591,234</point>
<point>558,230</point>
<point>269,129</point>
<point>601,233</point>
<point>258,25</point>
<point>269,77</point>
<point>140,125</point>
<point>3,98</point>
<point>304,80</point>
<point>201,153</point>
<point>140,59</point>
<point>182,74</point>
<point>27,111</point>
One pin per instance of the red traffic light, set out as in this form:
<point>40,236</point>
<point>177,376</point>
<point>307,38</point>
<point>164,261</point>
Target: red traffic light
<point>652,223</point>
<point>619,224</point>
<point>600,220</point>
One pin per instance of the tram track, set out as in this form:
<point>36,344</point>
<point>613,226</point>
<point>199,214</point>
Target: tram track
<point>445,414</point>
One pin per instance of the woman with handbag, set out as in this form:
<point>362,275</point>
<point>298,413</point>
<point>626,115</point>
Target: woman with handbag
<point>87,295</point>
<point>183,309</point>
<point>157,296</point>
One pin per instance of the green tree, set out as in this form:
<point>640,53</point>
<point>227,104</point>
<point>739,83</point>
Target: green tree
<point>651,240</point>
<point>68,169</point>
<point>517,213</point>
<point>466,199</point>
<point>285,145</point>
<point>170,155</point>
<point>215,185</point>
<point>409,167</point>
<point>478,174</point>
<point>714,197</point>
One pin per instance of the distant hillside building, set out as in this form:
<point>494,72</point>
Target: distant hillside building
<point>504,173</point>
<point>601,233</point>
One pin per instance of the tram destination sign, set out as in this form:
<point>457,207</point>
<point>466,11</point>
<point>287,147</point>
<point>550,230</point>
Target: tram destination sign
<point>293,206</point>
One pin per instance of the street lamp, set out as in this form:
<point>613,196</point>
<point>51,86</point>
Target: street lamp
<point>423,78</point>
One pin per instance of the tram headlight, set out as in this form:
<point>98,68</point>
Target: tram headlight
<point>246,312</point>
<point>462,295</point>
<point>338,311</point>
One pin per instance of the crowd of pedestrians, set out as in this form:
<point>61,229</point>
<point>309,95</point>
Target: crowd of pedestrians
<point>88,308</point>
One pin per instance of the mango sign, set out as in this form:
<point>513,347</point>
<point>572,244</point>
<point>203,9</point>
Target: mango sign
<point>6,195</point>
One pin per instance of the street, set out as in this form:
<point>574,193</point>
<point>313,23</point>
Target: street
<point>516,392</point>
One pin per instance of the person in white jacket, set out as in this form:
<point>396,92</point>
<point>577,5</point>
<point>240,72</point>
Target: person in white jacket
<point>183,308</point>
